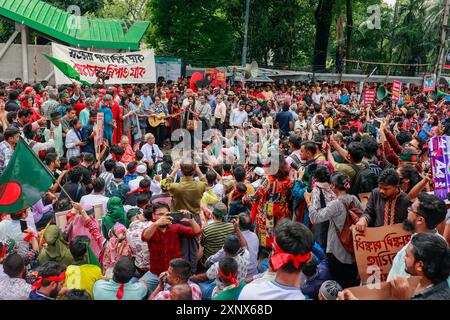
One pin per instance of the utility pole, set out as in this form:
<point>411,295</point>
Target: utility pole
<point>244,47</point>
<point>442,47</point>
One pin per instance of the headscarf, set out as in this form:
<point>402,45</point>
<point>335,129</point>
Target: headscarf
<point>115,214</point>
<point>116,247</point>
<point>79,229</point>
<point>57,248</point>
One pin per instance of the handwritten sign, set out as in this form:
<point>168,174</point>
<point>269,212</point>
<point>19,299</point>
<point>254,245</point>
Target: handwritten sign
<point>98,128</point>
<point>369,96</point>
<point>439,153</point>
<point>376,248</point>
<point>123,67</point>
<point>396,90</point>
<point>383,292</point>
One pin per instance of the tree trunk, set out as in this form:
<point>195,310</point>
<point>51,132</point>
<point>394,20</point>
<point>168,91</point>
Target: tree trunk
<point>349,32</point>
<point>323,17</point>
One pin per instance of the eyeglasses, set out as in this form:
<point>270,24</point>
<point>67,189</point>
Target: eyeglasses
<point>416,212</point>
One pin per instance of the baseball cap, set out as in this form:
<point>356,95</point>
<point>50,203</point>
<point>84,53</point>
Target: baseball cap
<point>141,169</point>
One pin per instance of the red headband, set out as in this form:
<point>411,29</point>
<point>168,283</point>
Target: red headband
<point>228,277</point>
<point>139,190</point>
<point>280,258</point>
<point>38,283</point>
<point>69,167</point>
<point>119,293</point>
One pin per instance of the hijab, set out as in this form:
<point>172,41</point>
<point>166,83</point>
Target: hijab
<point>57,248</point>
<point>115,214</point>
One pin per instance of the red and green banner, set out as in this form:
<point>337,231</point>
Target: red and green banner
<point>24,180</point>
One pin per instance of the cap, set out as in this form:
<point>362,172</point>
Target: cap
<point>259,171</point>
<point>132,213</point>
<point>141,169</point>
<point>220,210</point>
<point>330,289</point>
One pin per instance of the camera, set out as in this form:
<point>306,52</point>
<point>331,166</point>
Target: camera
<point>295,165</point>
<point>102,75</point>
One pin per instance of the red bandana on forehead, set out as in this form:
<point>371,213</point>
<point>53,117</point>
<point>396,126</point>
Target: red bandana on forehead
<point>229,278</point>
<point>38,283</point>
<point>280,258</point>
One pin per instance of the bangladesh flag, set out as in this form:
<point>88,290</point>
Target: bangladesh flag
<point>24,180</point>
<point>66,69</point>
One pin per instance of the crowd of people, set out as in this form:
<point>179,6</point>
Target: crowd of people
<point>220,223</point>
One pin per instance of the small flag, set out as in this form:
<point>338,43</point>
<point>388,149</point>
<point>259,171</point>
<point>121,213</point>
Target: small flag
<point>24,180</point>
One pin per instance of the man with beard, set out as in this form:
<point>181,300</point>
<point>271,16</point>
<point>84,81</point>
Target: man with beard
<point>50,282</point>
<point>387,204</point>
<point>424,215</point>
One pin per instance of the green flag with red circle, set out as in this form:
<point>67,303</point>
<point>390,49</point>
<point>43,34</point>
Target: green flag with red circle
<point>24,180</point>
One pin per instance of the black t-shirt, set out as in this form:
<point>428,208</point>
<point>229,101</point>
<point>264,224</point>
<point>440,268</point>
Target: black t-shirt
<point>74,190</point>
<point>11,105</point>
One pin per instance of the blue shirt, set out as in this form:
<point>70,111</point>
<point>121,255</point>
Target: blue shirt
<point>283,119</point>
<point>107,129</point>
<point>147,101</point>
<point>107,290</point>
<point>345,99</point>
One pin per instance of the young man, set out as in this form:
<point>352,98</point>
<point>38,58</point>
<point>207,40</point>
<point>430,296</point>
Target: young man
<point>424,215</point>
<point>97,196</point>
<point>178,273</point>
<point>57,133</point>
<point>120,287</point>
<point>292,249</point>
<point>12,136</point>
<point>387,204</point>
<point>12,284</point>
<point>50,282</point>
<point>108,174</point>
<point>74,188</point>
<point>227,274</point>
<point>88,133</point>
<point>163,239</point>
<point>117,186</point>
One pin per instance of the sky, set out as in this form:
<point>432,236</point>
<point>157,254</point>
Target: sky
<point>390,2</point>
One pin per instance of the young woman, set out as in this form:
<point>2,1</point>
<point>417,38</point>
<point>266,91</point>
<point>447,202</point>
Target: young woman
<point>73,139</point>
<point>175,110</point>
<point>342,263</point>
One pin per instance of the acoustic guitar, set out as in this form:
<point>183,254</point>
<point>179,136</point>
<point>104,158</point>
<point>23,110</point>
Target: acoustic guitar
<point>154,122</point>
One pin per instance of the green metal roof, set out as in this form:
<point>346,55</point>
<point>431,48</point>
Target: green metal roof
<point>93,32</point>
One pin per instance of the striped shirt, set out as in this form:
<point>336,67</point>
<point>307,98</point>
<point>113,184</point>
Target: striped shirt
<point>213,237</point>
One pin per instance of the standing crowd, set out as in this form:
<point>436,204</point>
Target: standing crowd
<point>220,224</point>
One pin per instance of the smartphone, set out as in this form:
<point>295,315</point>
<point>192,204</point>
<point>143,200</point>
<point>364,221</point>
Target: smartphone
<point>295,166</point>
<point>48,124</point>
<point>177,216</point>
<point>23,225</point>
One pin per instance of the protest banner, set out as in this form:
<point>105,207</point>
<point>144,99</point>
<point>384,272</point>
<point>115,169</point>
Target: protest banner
<point>439,154</point>
<point>429,82</point>
<point>396,90</point>
<point>369,96</point>
<point>376,248</point>
<point>382,292</point>
<point>98,128</point>
<point>61,219</point>
<point>123,67</point>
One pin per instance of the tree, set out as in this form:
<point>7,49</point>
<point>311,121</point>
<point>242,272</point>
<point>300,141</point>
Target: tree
<point>131,10</point>
<point>90,6</point>
<point>323,15</point>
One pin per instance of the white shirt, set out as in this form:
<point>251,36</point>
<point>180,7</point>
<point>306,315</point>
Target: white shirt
<point>316,97</point>
<point>10,229</point>
<point>134,184</point>
<point>72,140</point>
<point>221,111</point>
<point>94,199</point>
<point>270,290</point>
<point>151,151</point>
<point>237,118</point>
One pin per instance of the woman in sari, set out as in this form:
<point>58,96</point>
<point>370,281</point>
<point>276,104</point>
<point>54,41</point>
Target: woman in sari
<point>174,108</point>
<point>115,214</point>
<point>57,249</point>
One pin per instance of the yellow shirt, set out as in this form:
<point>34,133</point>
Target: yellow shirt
<point>329,123</point>
<point>83,277</point>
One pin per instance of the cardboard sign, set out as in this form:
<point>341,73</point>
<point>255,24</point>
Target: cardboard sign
<point>61,219</point>
<point>98,128</point>
<point>383,292</point>
<point>429,82</point>
<point>439,153</point>
<point>396,90</point>
<point>376,248</point>
<point>121,67</point>
<point>99,211</point>
<point>369,96</point>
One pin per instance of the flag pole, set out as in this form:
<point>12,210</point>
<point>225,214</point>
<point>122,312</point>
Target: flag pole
<point>45,168</point>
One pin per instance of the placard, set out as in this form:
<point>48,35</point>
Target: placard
<point>396,90</point>
<point>376,248</point>
<point>121,67</point>
<point>98,128</point>
<point>429,82</point>
<point>61,219</point>
<point>382,292</point>
<point>439,154</point>
<point>369,96</point>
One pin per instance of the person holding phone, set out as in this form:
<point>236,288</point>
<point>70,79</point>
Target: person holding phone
<point>21,229</point>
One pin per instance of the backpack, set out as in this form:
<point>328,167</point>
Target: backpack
<point>364,181</point>
<point>345,235</point>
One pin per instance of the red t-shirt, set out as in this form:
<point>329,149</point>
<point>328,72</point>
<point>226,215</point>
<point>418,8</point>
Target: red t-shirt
<point>165,246</point>
<point>356,124</point>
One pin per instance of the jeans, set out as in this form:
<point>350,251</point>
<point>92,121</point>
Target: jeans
<point>207,288</point>
<point>151,279</point>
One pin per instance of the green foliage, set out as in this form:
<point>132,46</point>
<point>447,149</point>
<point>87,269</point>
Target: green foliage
<point>86,6</point>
